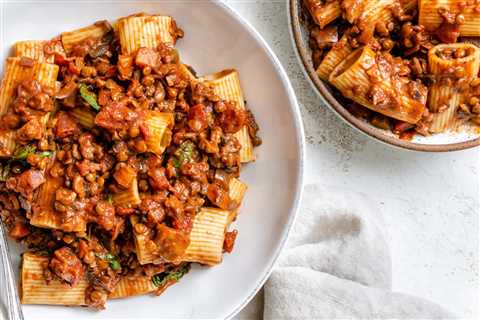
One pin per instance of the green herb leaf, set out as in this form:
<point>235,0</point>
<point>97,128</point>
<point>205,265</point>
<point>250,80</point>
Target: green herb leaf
<point>112,260</point>
<point>45,154</point>
<point>105,256</point>
<point>115,265</point>
<point>162,278</point>
<point>176,163</point>
<point>185,152</point>
<point>110,198</point>
<point>89,96</point>
<point>24,152</point>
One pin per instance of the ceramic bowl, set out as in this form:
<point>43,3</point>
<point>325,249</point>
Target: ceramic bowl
<point>448,141</point>
<point>216,38</point>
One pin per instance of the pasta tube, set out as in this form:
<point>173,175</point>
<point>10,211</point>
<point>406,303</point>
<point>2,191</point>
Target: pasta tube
<point>370,14</point>
<point>454,67</point>
<point>323,14</point>
<point>368,11</point>
<point>207,236</point>
<point>236,192</point>
<point>35,290</point>
<point>226,84</point>
<point>136,32</point>
<point>44,214</point>
<point>7,143</point>
<point>333,58</point>
<point>358,78</point>
<point>430,17</point>
<point>33,49</point>
<point>135,286</point>
<point>74,38</point>
<point>129,197</point>
<point>17,71</point>
<point>144,253</point>
<point>159,134</point>
<point>246,151</point>
<point>375,13</point>
<point>84,116</point>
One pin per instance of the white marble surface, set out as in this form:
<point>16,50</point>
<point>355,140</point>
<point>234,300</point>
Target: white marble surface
<point>430,201</point>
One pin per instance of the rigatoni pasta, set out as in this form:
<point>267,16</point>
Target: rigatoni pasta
<point>375,15</point>
<point>324,13</point>
<point>18,71</point>
<point>237,190</point>
<point>445,95</point>
<point>360,78</point>
<point>333,58</point>
<point>85,117</point>
<point>158,125</point>
<point>465,15</point>
<point>79,37</point>
<point>207,236</point>
<point>145,31</point>
<point>44,214</point>
<point>120,166</point>
<point>206,239</point>
<point>133,286</point>
<point>33,49</point>
<point>226,84</point>
<point>35,290</point>
<point>128,197</point>
<point>367,15</point>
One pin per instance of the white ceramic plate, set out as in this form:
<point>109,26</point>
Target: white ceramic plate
<point>216,38</point>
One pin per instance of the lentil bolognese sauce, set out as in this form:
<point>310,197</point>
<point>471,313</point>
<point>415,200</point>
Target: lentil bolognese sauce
<point>119,165</point>
<point>406,66</point>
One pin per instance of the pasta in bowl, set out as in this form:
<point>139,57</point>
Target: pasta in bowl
<point>120,166</point>
<point>274,179</point>
<point>402,71</point>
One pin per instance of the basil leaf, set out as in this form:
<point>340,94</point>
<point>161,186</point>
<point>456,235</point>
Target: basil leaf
<point>111,259</point>
<point>89,96</point>
<point>45,154</point>
<point>24,152</point>
<point>176,163</point>
<point>115,265</point>
<point>162,278</point>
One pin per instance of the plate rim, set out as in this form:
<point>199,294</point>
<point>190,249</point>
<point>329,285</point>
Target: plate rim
<point>333,104</point>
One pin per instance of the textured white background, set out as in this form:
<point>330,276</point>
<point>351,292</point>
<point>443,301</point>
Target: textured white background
<point>430,201</point>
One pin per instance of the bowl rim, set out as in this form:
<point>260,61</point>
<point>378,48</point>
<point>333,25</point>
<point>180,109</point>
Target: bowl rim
<point>327,97</point>
<point>301,153</point>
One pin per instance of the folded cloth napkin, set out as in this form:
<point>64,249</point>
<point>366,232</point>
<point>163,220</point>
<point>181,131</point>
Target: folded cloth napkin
<point>336,265</point>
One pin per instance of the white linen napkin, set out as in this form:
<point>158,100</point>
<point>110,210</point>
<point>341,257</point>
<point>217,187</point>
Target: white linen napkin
<point>336,265</point>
